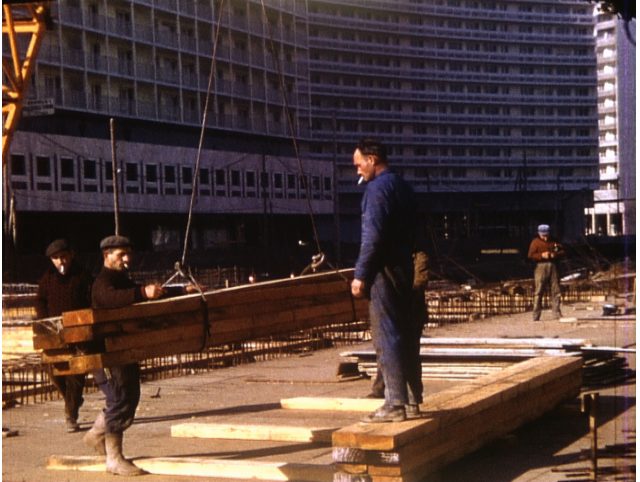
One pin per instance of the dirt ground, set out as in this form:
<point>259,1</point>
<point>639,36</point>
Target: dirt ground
<point>554,448</point>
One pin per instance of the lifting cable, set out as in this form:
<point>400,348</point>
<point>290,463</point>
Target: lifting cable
<point>179,265</point>
<point>318,259</point>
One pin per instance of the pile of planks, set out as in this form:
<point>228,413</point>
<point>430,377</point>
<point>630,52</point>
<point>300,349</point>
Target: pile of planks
<point>455,422</point>
<point>469,358</point>
<point>85,340</point>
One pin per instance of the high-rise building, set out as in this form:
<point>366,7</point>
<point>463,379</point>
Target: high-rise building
<point>488,108</point>
<point>614,209</point>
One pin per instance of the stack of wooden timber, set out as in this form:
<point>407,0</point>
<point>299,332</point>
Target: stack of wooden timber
<point>455,422</point>
<point>469,358</point>
<point>89,339</point>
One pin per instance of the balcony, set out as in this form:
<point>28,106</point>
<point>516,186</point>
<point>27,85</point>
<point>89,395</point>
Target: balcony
<point>75,99</point>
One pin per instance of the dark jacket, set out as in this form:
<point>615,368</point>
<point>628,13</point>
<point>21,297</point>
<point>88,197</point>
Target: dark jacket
<point>388,228</point>
<point>58,293</point>
<point>115,289</point>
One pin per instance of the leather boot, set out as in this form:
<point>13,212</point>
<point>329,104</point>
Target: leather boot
<point>94,438</point>
<point>116,463</point>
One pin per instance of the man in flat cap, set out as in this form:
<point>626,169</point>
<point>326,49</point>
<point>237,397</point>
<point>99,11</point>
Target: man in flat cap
<point>64,286</point>
<point>113,288</point>
<point>545,251</point>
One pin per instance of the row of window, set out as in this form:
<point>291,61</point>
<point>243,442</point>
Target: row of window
<point>90,175</point>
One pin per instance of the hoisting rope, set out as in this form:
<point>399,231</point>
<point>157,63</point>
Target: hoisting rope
<point>179,265</point>
<point>318,259</point>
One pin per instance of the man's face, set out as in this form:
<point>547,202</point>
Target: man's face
<point>118,259</point>
<point>365,165</point>
<point>544,236</point>
<point>62,260</point>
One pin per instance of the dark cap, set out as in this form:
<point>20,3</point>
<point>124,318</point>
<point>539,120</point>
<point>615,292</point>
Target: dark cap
<point>115,241</point>
<point>56,246</point>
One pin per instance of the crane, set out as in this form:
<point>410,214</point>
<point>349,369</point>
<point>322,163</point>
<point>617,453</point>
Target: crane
<point>23,27</point>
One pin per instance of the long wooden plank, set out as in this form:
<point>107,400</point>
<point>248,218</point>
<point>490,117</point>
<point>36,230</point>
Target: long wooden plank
<point>455,435</point>
<point>269,290</point>
<point>472,398</point>
<point>204,467</point>
<point>332,404</point>
<point>88,363</point>
<point>278,433</point>
<point>168,335</point>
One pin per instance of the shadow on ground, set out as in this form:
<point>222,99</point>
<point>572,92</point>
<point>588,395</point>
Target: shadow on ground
<point>537,444</point>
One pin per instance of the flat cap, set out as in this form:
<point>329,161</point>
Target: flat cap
<point>57,246</point>
<point>115,241</point>
<point>544,229</point>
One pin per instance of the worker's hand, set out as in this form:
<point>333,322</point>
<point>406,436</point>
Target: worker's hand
<point>357,288</point>
<point>546,255</point>
<point>191,288</point>
<point>153,291</point>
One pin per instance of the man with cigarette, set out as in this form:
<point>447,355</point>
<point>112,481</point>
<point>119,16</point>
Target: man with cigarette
<point>65,286</point>
<point>545,251</point>
<point>384,274</point>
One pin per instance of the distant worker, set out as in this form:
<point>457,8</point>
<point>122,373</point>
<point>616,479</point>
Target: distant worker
<point>545,252</point>
<point>384,272</point>
<point>65,286</point>
<point>113,288</point>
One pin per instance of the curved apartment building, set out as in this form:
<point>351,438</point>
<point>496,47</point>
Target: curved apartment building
<point>489,109</point>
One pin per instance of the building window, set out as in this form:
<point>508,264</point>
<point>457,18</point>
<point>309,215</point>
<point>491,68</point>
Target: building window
<point>131,171</point>
<point>170,174</point>
<point>221,182</point>
<point>43,166</point>
<point>151,173</point>
<point>89,170</point>
<point>18,165</point>
<point>67,168</point>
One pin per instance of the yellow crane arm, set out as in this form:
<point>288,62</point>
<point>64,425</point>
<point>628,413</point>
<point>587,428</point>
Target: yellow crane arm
<point>18,19</point>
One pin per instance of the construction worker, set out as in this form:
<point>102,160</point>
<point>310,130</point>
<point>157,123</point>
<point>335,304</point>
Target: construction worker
<point>384,272</point>
<point>545,252</point>
<point>64,286</point>
<point>113,288</point>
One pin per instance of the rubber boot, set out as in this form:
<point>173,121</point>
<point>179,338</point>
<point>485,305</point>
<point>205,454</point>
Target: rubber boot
<point>116,463</point>
<point>94,438</point>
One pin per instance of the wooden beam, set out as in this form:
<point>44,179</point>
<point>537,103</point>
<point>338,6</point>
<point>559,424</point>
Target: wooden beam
<point>456,421</point>
<point>332,404</point>
<point>204,467</point>
<point>252,432</point>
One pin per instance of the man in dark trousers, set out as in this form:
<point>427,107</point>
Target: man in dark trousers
<point>113,288</point>
<point>65,286</point>
<point>545,251</point>
<point>419,319</point>
<point>384,272</point>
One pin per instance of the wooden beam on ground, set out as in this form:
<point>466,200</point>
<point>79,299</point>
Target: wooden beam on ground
<point>332,404</point>
<point>204,467</point>
<point>455,421</point>
<point>276,433</point>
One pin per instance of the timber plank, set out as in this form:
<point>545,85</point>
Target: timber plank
<point>393,435</point>
<point>459,437</point>
<point>87,363</point>
<point>195,329</point>
<point>310,284</point>
<point>49,341</point>
<point>204,467</point>
<point>332,404</point>
<point>252,432</point>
